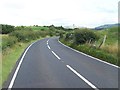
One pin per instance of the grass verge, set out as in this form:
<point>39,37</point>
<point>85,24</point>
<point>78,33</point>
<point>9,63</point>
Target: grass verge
<point>98,53</point>
<point>10,56</point>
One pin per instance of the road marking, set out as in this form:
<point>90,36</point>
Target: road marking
<point>56,55</point>
<point>47,41</point>
<point>89,56</point>
<point>48,46</point>
<point>80,76</point>
<point>18,67</point>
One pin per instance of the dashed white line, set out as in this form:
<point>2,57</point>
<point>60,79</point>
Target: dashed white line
<point>47,40</point>
<point>52,51</point>
<point>18,67</point>
<point>56,55</point>
<point>48,46</point>
<point>80,76</point>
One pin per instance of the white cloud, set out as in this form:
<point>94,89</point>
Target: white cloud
<point>88,13</point>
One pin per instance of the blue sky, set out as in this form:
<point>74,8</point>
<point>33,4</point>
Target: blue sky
<point>81,13</point>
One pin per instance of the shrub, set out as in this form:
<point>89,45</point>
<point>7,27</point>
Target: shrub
<point>84,35</point>
<point>61,35</point>
<point>8,41</point>
<point>5,29</point>
<point>25,35</point>
<point>69,36</point>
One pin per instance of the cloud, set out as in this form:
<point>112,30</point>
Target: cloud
<point>59,12</point>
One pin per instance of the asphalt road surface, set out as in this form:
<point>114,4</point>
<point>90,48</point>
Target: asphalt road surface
<point>49,64</point>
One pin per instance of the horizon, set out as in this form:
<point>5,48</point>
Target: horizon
<point>62,26</point>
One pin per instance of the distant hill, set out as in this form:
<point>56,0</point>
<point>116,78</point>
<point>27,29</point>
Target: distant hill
<point>106,26</point>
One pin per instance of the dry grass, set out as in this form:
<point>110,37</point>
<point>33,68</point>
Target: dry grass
<point>113,49</point>
<point>3,35</point>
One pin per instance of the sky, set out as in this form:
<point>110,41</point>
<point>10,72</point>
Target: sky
<point>80,13</point>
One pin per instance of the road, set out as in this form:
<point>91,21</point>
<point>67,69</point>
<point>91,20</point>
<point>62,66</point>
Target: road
<point>49,64</point>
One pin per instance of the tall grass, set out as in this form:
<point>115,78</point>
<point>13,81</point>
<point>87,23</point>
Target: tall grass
<point>111,43</point>
<point>113,49</point>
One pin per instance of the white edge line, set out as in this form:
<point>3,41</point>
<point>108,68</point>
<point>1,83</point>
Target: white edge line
<point>89,55</point>
<point>56,55</point>
<point>18,67</point>
<point>80,76</point>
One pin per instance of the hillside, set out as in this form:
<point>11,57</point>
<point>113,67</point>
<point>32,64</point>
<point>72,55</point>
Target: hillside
<point>106,26</point>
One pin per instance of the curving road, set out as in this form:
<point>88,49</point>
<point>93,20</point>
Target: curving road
<point>49,64</point>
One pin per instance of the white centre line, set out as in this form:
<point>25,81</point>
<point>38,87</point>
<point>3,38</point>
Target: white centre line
<point>18,67</point>
<point>48,46</point>
<point>47,40</point>
<point>80,76</point>
<point>56,55</point>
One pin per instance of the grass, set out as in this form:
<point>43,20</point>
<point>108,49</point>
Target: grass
<point>113,49</point>
<point>111,43</point>
<point>112,35</point>
<point>9,58</point>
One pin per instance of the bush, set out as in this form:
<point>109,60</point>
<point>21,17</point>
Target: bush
<point>61,35</point>
<point>5,29</point>
<point>69,36</point>
<point>25,35</point>
<point>84,35</point>
<point>8,41</point>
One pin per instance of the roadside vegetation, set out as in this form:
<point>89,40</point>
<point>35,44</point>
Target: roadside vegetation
<point>91,42</point>
<point>16,39</point>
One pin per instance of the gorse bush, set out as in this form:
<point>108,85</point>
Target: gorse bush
<point>85,35</point>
